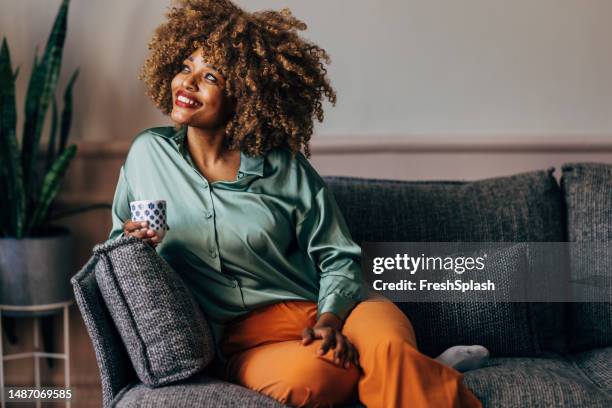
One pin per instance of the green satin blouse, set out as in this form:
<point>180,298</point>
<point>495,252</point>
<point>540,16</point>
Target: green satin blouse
<point>274,233</point>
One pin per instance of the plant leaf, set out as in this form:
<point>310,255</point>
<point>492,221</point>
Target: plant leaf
<point>52,136</point>
<point>40,90</point>
<point>9,149</point>
<point>67,112</point>
<point>50,186</point>
<point>35,65</point>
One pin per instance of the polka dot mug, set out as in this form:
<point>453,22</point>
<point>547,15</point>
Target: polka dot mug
<point>153,211</point>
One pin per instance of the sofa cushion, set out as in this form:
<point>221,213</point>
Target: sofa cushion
<point>201,390</point>
<point>533,382</point>
<point>597,365</point>
<point>587,188</point>
<point>504,328</point>
<point>525,207</point>
<point>163,329</point>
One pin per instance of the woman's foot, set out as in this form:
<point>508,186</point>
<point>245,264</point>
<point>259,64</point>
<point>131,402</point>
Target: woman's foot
<point>464,358</point>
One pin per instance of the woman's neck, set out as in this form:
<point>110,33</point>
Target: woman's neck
<point>207,148</point>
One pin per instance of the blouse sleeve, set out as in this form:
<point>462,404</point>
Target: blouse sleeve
<point>121,206</point>
<point>323,233</point>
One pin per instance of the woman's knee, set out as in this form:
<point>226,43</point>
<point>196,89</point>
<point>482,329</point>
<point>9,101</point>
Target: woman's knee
<point>376,320</point>
<point>318,382</point>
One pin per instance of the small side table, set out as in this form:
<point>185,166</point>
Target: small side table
<point>36,353</point>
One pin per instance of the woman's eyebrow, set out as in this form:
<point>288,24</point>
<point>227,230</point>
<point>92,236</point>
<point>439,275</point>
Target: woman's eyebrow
<point>208,65</point>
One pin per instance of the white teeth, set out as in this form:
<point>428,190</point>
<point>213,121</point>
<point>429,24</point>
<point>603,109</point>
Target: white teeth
<point>187,100</point>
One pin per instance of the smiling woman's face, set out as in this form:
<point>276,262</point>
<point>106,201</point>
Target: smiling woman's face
<point>198,96</point>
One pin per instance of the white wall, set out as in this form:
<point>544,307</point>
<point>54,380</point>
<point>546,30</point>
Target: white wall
<point>400,67</point>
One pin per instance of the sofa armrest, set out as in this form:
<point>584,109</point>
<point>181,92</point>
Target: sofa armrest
<point>116,370</point>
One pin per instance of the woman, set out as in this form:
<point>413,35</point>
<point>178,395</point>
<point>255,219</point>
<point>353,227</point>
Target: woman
<point>255,232</point>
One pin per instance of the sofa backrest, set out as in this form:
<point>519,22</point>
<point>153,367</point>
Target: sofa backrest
<point>524,207</point>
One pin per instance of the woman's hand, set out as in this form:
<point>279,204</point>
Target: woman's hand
<point>328,329</point>
<point>139,229</point>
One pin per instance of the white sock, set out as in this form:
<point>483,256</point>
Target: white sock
<point>464,358</point>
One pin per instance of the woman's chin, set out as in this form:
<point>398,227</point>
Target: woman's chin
<point>180,117</point>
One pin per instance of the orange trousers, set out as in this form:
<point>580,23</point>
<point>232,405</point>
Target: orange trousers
<point>265,354</point>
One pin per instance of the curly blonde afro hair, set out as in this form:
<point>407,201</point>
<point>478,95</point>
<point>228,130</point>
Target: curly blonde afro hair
<point>276,78</point>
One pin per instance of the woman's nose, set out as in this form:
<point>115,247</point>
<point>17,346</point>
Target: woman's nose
<point>188,83</point>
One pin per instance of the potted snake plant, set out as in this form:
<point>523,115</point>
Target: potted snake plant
<point>35,255</point>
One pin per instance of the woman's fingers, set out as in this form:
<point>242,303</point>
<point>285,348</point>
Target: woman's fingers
<point>350,350</point>
<point>151,238</point>
<point>355,356</point>
<point>138,226</point>
<point>340,349</point>
<point>344,351</point>
<point>329,339</point>
<point>132,226</point>
<point>307,336</point>
<point>142,234</point>
<point>145,234</point>
<point>139,230</point>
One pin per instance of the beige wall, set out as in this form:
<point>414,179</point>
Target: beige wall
<point>401,67</point>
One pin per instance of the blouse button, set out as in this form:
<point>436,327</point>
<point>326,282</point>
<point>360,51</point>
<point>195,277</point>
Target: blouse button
<point>208,214</point>
<point>213,253</point>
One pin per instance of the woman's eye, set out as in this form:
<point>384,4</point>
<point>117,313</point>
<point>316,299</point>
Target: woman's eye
<point>209,76</point>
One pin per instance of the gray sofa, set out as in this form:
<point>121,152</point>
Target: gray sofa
<point>565,359</point>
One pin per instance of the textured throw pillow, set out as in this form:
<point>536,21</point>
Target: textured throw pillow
<point>588,195</point>
<point>505,328</point>
<point>164,330</point>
